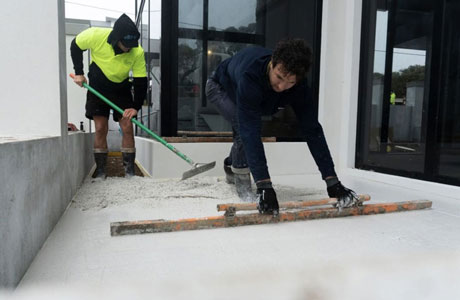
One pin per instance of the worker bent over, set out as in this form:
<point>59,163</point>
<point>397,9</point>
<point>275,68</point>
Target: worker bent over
<point>256,82</point>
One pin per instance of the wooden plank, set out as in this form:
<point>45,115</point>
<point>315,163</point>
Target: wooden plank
<point>152,226</point>
<point>204,133</point>
<point>232,207</point>
<point>178,139</point>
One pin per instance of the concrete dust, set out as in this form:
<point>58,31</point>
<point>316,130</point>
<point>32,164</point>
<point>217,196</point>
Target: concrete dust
<point>144,192</point>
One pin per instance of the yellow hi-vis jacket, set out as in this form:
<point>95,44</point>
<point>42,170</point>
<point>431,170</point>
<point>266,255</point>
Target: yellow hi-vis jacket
<point>115,67</point>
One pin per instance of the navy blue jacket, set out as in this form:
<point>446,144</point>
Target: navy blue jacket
<point>245,79</point>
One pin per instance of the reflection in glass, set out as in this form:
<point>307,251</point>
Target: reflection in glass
<point>229,15</point>
<point>211,31</point>
<point>406,99</point>
<point>411,90</point>
<point>219,51</point>
<point>208,116</point>
<point>398,118</point>
<point>189,82</point>
<point>191,14</point>
<point>378,78</point>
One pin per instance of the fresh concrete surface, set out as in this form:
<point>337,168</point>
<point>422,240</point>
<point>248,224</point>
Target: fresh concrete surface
<point>409,255</point>
<point>38,178</point>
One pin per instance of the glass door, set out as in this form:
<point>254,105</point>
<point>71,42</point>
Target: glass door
<point>409,103</point>
<point>397,86</point>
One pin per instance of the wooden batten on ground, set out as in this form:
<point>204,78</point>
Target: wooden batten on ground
<point>152,226</point>
<point>232,208</point>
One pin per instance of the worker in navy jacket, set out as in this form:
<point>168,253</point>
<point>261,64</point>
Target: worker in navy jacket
<point>256,82</point>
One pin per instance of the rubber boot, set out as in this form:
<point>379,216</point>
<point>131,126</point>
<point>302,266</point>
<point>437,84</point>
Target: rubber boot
<point>100,157</point>
<point>129,156</point>
<point>242,179</point>
<point>229,176</point>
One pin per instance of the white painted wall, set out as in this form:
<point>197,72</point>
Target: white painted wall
<point>160,162</point>
<point>339,75</point>
<point>30,77</point>
<point>76,96</point>
<point>38,176</point>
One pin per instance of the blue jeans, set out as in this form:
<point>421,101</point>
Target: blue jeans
<point>227,108</point>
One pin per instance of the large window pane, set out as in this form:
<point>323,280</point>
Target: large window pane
<point>410,89</point>
<point>189,82</point>
<point>398,89</point>
<point>210,31</point>
<point>229,15</point>
<point>406,99</point>
<point>191,14</point>
<point>408,94</point>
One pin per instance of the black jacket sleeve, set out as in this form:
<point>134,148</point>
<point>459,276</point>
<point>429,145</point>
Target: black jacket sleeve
<point>306,111</point>
<point>140,90</point>
<point>77,58</point>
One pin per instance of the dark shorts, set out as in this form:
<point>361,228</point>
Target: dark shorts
<point>97,107</point>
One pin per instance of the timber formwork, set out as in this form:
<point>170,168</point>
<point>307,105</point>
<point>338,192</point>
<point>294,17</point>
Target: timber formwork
<point>231,219</point>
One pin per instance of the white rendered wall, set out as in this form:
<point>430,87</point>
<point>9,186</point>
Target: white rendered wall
<point>31,76</point>
<point>160,162</point>
<point>76,96</point>
<point>339,75</point>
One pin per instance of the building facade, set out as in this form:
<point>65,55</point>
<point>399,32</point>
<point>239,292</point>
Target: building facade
<point>366,53</point>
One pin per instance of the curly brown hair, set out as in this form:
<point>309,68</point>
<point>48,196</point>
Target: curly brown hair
<point>294,55</point>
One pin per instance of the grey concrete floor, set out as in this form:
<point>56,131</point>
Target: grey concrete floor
<point>408,255</point>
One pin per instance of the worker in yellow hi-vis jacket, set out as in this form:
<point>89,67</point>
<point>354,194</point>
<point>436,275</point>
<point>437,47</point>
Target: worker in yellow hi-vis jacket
<point>114,53</point>
<point>392,98</point>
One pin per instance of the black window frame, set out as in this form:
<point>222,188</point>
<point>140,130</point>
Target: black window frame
<point>432,153</point>
<point>171,33</point>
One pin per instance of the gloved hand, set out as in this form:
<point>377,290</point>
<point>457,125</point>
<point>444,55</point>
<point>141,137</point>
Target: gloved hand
<point>345,197</point>
<point>268,203</point>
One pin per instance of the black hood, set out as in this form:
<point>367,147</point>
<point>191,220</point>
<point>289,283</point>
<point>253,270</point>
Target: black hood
<point>124,30</point>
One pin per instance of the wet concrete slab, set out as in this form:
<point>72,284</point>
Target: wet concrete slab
<point>352,256</point>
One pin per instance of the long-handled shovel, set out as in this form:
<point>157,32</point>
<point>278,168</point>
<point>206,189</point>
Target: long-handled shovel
<point>197,168</point>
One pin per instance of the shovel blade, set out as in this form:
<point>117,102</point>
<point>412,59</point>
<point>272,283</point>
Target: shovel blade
<point>198,169</point>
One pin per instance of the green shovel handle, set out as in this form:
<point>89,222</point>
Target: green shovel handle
<point>135,121</point>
